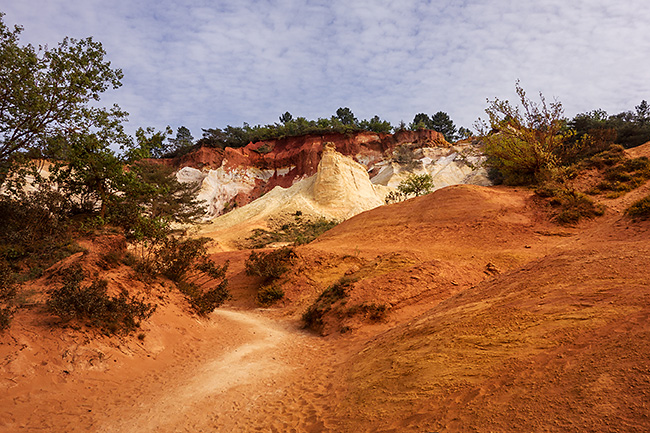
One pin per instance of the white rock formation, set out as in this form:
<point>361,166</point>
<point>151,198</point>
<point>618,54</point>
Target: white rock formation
<point>447,166</point>
<point>339,190</point>
<point>220,186</point>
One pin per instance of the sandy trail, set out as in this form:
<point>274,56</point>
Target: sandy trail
<point>205,392</point>
<point>235,372</point>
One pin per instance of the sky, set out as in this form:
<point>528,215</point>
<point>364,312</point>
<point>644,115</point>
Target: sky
<point>208,64</point>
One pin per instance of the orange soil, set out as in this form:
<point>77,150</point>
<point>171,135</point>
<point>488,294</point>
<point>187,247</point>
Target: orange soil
<point>497,321</point>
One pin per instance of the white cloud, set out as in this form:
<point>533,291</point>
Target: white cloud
<point>207,64</point>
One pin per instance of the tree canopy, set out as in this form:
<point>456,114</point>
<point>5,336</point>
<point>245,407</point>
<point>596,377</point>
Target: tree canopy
<point>46,92</point>
<point>440,122</point>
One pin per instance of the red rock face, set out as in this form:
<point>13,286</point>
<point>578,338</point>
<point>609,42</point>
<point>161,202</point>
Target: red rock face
<point>294,158</point>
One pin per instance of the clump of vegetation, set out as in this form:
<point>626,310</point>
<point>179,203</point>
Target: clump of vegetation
<point>570,206</point>
<point>405,156</point>
<point>92,305</point>
<point>640,209</point>
<point>270,266</point>
<point>523,144</point>
<point>342,122</point>
<point>374,312</point>
<point>416,184</point>
<point>300,231</point>
<point>625,176</point>
<point>269,295</point>
<point>186,262</point>
<point>313,317</point>
<point>34,229</point>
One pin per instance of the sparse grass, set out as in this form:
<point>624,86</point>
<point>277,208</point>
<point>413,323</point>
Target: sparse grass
<point>623,177</point>
<point>300,231</point>
<point>570,206</point>
<point>640,209</point>
<point>374,312</point>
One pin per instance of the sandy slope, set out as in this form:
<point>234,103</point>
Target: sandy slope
<point>552,337</point>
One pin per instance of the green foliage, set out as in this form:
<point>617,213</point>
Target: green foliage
<point>89,172</point>
<point>628,128</point>
<point>300,231</point>
<point>570,206</point>
<point>394,197</point>
<point>439,121</point>
<point>640,208</point>
<point>607,158</point>
<point>48,92</point>
<point>149,143</point>
<point>375,124</point>
<point>269,295</point>
<point>205,301</point>
<point>346,117</point>
<point>34,229</point>
<point>416,184</point>
<point>342,123</point>
<point>313,316</point>
<point>625,176</point>
<point>524,143</point>
<point>286,118</point>
<point>91,305</point>
<point>270,266</point>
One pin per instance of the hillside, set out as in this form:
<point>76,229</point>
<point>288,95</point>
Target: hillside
<point>464,310</point>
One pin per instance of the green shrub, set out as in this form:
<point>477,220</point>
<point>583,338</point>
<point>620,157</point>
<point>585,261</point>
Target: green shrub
<point>269,295</point>
<point>625,176</point>
<point>313,316</point>
<point>270,266</point>
<point>416,184</point>
<point>204,301</point>
<point>92,305</point>
<point>570,205</point>
<point>640,208</point>
<point>607,158</point>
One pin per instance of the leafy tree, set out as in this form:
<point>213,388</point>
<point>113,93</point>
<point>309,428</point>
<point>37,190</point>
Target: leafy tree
<point>464,133</point>
<point>376,125</point>
<point>420,121</point>
<point>523,142</point>
<point>181,144</point>
<point>440,122</point>
<point>286,118</point>
<point>416,184</point>
<point>47,92</point>
<point>346,117</point>
<point>88,170</point>
<point>642,113</point>
<point>149,143</point>
<point>443,124</point>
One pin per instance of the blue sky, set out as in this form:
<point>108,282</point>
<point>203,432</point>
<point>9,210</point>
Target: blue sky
<point>206,64</point>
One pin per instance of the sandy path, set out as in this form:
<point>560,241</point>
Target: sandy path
<point>213,393</point>
<point>239,371</point>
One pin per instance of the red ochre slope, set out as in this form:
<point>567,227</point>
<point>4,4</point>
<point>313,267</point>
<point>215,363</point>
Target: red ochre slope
<point>557,341</point>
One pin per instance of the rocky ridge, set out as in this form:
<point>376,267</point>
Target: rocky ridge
<point>235,177</point>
